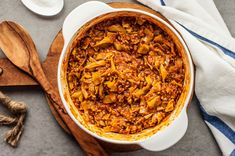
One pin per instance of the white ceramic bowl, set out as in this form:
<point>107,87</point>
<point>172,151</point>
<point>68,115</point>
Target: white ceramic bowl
<point>165,137</point>
<point>44,7</point>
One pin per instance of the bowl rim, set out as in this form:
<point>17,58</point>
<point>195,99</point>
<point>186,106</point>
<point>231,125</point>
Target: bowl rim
<point>62,58</point>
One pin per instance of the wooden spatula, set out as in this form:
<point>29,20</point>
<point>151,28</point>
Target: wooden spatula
<point>19,48</point>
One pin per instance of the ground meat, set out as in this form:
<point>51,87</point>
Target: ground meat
<point>125,75</point>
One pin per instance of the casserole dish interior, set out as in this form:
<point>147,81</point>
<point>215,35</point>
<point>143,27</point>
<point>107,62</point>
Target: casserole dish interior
<point>147,132</point>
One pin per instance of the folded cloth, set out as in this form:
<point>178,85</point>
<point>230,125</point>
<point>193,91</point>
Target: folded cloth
<point>213,51</point>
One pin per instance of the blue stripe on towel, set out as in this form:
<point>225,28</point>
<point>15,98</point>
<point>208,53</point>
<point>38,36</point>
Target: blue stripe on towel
<point>233,153</point>
<point>219,124</point>
<point>162,2</point>
<point>225,50</point>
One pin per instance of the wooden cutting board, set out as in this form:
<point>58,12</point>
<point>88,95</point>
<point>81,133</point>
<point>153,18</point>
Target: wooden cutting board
<point>12,76</point>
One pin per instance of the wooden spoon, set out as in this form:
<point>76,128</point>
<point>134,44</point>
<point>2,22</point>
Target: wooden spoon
<point>19,48</point>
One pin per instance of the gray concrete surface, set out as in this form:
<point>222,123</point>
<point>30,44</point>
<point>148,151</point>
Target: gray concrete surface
<point>44,137</point>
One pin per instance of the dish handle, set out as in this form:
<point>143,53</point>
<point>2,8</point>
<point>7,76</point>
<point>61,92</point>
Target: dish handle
<point>168,136</point>
<point>74,21</point>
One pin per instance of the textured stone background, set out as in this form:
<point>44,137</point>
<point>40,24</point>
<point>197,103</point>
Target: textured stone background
<point>43,136</point>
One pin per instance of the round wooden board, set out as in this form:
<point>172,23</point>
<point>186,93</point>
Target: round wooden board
<point>50,68</point>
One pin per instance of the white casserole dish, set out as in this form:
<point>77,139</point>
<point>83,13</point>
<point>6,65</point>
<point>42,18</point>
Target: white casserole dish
<point>167,135</point>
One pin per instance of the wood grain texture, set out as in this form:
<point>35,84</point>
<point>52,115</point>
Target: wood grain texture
<point>12,76</point>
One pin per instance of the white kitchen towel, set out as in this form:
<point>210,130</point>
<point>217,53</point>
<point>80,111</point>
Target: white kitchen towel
<point>213,51</point>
